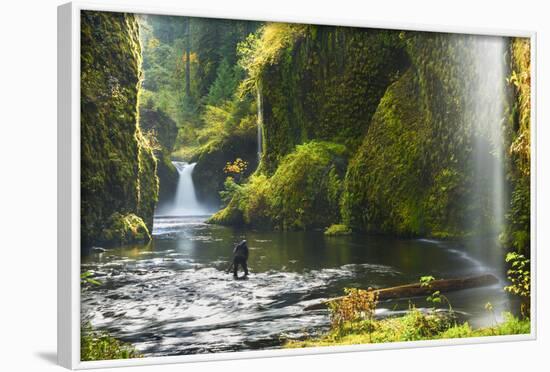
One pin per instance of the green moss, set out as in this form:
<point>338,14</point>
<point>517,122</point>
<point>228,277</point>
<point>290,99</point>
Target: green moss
<point>230,215</point>
<point>337,229</point>
<point>384,184</point>
<point>292,198</point>
<point>118,167</point>
<point>299,189</point>
<point>400,103</point>
<point>322,83</point>
<point>388,186</point>
<point>413,170</point>
<point>124,229</point>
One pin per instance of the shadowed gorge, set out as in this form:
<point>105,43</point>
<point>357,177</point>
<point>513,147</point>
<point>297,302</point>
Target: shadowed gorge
<point>343,159</point>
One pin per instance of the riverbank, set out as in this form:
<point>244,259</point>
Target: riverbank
<point>414,326</point>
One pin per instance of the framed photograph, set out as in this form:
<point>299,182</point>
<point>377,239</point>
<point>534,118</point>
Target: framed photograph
<point>235,187</point>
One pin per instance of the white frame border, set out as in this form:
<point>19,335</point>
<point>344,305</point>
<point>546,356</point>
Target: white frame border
<point>68,259</point>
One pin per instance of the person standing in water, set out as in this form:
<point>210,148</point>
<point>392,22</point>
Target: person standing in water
<point>240,257</point>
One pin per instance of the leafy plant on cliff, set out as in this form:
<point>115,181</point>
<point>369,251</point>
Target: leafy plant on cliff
<point>263,48</point>
<point>519,275</point>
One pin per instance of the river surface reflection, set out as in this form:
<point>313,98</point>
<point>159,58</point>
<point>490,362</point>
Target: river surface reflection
<point>173,295</point>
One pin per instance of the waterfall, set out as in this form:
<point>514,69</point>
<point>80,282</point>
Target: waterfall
<point>487,107</point>
<point>260,123</point>
<point>185,200</point>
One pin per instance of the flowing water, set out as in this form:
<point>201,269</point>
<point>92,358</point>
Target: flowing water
<point>185,201</point>
<point>486,99</point>
<point>173,295</point>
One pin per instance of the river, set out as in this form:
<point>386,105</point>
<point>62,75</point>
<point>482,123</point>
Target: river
<point>173,296</point>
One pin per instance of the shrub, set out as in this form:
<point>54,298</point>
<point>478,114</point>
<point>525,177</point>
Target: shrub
<point>358,304</point>
<point>338,229</point>
<point>304,192</point>
<point>520,276</point>
<point>100,345</point>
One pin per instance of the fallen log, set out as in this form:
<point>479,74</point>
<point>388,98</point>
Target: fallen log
<point>416,289</point>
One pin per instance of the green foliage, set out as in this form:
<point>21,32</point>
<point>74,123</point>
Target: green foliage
<point>203,53</point>
<point>118,164</point>
<point>519,274</point>
<point>231,190</point>
<point>426,281</point>
<point>100,345</point>
<point>517,234</point>
<point>229,132</point>
<point>87,278</point>
<point>225,85</point>
<point>414,326</point>
<point>392,98</point>
<point>511,326</point>
<point>520,79</point>
<point>435,297</point>
<point>259,51</point>
<point>292,198</point>
<point>247,204</point>
<point>123,229</point>
<point>337,229</point>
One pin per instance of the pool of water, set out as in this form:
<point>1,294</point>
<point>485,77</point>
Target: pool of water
<point>174,296</point>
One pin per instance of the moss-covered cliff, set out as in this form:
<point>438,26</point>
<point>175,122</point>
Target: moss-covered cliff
<point>415,172</point>
<point>119,186</point>
<point>386,181</point>
<point>420,120</point>
<point>324,84</point>
<point>518,230</point>
<point>303,193</point>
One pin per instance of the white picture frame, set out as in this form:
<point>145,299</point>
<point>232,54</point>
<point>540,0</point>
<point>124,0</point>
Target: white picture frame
<point>68,136</point>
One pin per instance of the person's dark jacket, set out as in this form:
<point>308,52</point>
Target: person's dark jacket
<point>241,250</point>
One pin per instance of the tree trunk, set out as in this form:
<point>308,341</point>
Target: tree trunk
<point>416,289</point>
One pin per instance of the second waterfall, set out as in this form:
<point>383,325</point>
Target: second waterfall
<point>185,201</point>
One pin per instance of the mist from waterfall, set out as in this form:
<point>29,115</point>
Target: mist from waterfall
<point>185,202</point>
<point>486,105</point>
